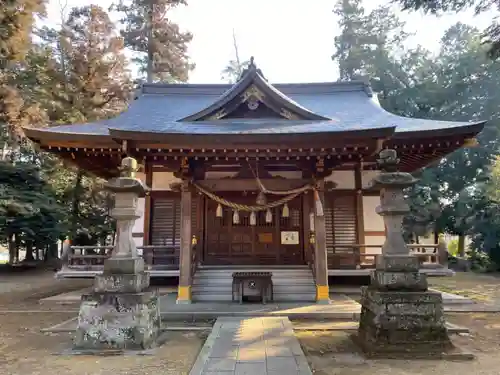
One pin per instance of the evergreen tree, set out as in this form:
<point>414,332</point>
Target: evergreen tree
<point>90,79</point>
<point>491,34</point>
<point>29,212</point>
<point>160,44</point>
<point>17,19</point>
<point>459,84</point>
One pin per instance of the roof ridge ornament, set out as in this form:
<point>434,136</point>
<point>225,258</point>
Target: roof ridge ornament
<point>252,68</point>
<point>253,90</point>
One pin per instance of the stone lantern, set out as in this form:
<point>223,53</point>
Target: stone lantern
<point>121,312</point>
<point>400,317</point>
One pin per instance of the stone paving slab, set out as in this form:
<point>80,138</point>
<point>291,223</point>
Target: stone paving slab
<point>251,346</point>
<point>340,307</point>
<point>76,296</point>
<point>448,298</point>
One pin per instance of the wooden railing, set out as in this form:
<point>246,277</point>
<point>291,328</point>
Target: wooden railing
<point>353,256</point>
<point>89,257</point>
<point>312,260</point>
<point>194,259</point>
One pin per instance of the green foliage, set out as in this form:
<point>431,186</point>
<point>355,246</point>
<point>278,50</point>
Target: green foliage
<point>29,207</point>
<point>491,36</point>
<point>88,72</point>
<point>460,83</point>
<point>480,261</point>
<point>17,19</point>
<point>74,74</point>
<point>160,45</point>
<point>453,247</point>
<point>493,184</point>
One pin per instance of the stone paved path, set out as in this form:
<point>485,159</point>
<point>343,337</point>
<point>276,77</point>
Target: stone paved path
<point>251,346</point>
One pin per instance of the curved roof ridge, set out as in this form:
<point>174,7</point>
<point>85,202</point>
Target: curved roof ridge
<point>253,76</point>
<point>285,88</point>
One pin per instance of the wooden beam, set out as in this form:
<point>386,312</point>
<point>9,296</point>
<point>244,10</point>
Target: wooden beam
<point>185,277</point>
<point>360,221</point>
<point>251,184</point>
<point>320,254</point>
<point>275,140</point>
<point>306,232</point>
<point>148,205</point>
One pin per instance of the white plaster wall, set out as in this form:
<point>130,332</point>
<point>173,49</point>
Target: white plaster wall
<point>139,223</point>
<point>367,177</point>
<point>374,240</point>
<point>162,180</point>
<point>343,179</point>
<point>373,221</point>
<point>138,242</point>
<point>426,240</point>
<point>141,176</point>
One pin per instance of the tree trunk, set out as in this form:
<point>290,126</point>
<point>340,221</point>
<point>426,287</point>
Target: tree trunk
<point>29,252</point>
<point>461,245</point>
<point>5,151</point>
<point>75,206</point>
<point>150,57</point>
<point>52,251</point>
<point>12,249</point>
<point>17,242</point>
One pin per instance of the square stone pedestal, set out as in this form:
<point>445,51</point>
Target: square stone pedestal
<point>121,313</point>
<point>400,318</point>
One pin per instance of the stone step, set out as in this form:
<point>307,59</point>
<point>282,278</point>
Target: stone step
<point>276,288</point>
<point>215,284</point>
<point>202,280</point>
<point>278,297</point>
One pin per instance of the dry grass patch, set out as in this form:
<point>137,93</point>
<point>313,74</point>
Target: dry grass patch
<point>25,350</point>
<point>479,287</point>
<point>333,353</point>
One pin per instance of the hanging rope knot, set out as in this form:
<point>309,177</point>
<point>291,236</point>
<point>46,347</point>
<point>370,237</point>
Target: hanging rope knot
<point>318,204</point>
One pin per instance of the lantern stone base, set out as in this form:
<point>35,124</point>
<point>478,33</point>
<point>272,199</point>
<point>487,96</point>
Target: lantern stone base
<point>400,318</point>
<point>121,313</point>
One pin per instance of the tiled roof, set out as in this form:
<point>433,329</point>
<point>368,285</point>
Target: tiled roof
<point>349,105</point>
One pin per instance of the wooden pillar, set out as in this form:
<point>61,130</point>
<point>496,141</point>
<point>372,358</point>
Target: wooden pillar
<point>185,277</point>
<point>360,222</point>
<point>146,241</point>
<point>306,228</point>
<point>320,255</point>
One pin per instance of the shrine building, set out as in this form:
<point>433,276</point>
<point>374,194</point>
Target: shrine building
<point>254,176</point>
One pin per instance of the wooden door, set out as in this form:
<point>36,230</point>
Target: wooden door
<point>244,244</point>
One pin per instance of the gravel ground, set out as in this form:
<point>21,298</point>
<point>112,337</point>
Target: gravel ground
<point>25,350</point>
<point>332,353</point>
<point>479,287</point>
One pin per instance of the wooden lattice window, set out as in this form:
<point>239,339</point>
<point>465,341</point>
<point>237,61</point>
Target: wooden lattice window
<point>166,220</point>
<point>340,221</point>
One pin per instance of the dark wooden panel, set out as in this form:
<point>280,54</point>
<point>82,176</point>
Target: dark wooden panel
<point>341,228</point>
<point>242,243</point>
<point>166,220</point>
